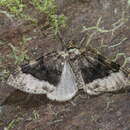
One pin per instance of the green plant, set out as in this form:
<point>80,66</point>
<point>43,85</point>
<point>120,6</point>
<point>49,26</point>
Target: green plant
<point>128,2</point>
<point>35,115</point>
<point>126,58</point>
<point>4,73</point>
<point>14,6</point>
<point>12,124</point>
<point>49,7</point>
<point>116,25</point>
<point>18,54</point>
<point>57,22</point>
<point>46,6</point>
<point>97,29</point>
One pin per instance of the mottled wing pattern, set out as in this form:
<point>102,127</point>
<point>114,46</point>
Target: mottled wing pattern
<point>61,74</point>
<point>100,75</point>
<point>40,76</point>
<point>48,68</point>
<point>51,75</point>
<point>28,83</point>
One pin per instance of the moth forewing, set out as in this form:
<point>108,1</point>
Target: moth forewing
<point>102,76</point>
<point>67,86</point>
<point>28,83</point>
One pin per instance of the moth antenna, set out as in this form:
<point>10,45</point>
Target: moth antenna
<point>83,41</point>
<point>62,41</point>
<point>95,51</point>
<point>32,64</point>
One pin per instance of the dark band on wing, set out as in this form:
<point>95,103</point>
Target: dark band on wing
<point>39,70</point>
<point>98,68</point>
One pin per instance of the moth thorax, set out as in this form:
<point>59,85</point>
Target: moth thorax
<point>73,53</point>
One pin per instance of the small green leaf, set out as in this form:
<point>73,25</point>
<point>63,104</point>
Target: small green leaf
<point>128,2</point>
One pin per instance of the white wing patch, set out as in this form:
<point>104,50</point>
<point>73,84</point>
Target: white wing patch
<point>114,82</point>
<point>29,84</point>
<point>67,87</point>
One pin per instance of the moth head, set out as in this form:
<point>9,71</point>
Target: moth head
<point>73,53</point>
<point>70,45</point>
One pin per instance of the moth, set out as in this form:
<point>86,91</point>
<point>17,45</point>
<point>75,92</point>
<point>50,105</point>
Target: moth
<point>60,74</point>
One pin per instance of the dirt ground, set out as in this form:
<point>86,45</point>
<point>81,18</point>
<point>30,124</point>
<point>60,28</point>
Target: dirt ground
<point>104,112</point>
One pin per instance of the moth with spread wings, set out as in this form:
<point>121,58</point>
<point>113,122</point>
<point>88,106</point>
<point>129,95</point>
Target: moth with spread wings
<point>51,75</point>
<point>61,74</point>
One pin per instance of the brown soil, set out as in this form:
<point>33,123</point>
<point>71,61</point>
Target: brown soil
<point>104,112</point>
